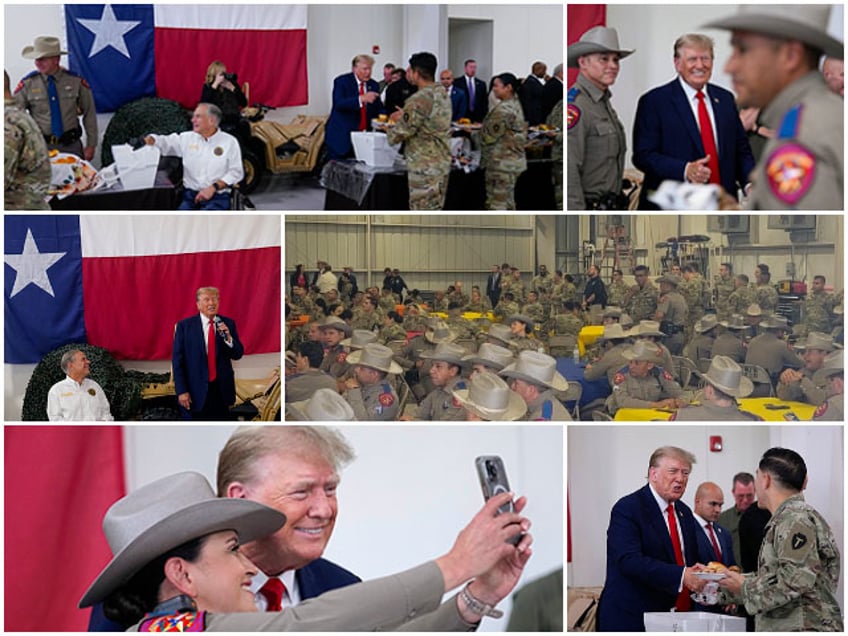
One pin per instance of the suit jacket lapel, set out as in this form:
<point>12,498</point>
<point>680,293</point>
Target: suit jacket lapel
<point>684,111</point>
<point>655,518</point>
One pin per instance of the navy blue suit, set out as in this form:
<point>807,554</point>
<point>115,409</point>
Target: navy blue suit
<point>666,137</point>
<point>642,575</point>
<point>191,370</point>
<point>459,103</point>
<point>344,117</point>
<point>476,111</point>
<point>706,552</point>
<point>312,580</point>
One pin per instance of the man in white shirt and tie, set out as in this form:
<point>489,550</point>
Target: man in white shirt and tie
<point>714,541</point>
<point>478,100</point>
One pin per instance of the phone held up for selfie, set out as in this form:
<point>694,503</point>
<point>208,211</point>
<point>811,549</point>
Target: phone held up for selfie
<point>493,481</point>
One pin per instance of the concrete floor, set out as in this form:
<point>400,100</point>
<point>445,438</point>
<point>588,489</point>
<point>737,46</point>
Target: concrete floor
<point>288,192</point>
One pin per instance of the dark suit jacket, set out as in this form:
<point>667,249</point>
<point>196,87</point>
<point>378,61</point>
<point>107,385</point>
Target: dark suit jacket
<point>397,93</point>
<point>706,553</point>
<point>551,94</point>
<point>191,372</point>
<point>459,103</point>
<point>344,117</point>
<point>642,575</point>
<point>493,288</point>
<point>666,137</point>
<point>530,96</point>
<point>476,111</point>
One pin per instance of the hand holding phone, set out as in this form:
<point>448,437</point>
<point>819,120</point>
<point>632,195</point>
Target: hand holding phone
<point>493,481</point>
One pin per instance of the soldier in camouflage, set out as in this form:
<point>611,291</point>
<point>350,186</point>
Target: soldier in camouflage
<point>387,301</point>
<point>506,306</point>
<point>723,286</point>
<point>413,319</point>
<point>522,327</point>
<point>423,124</point>
<point>555,119</point>
<point>641,300</point>
<point>542,283</point>
<point>367,318</point>
<point>766,293</point>
<point>818,307</point>
<point>794,588</point>
<point>464,329</point>
<point>617,289</point>
<point>478,302</point>
<point>742,297</point>
<point>514,285</point>
<point>534,309</point>
<point>503,137</point>
<point>392,329</point>
<point>26,166</point>
<point>568,322</point>
<point>693,289</point>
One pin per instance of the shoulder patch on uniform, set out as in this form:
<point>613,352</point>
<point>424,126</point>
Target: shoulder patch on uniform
<point>790,171</point>
<point>573,92</point>
<point>667,376</point>
<point>341,357</point>
<point>573,116</point>
<point>619,378</point>
<point>799,540</point>
<point>183,622</point>
<point>547,410</point>
<point>23,79</point>
<point>386,399</point>
<point>821,410</point>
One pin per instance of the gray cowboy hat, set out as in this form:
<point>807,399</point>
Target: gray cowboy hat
<point>438,332</point>
<point>598,39</point>
<point>644,350</point>
<point>671,279</point>
<point>754,310</point>
<point>359,339</point>
<point>375,356</point>
<point>536,368</point>
<point>819,341</point>
<point>334,322</point>
<point>527,320</point>
<point>166,513</point>
<point>492,356</point>
<point>447,352</point>
<point>646,328</point>
<point>291,359</point>
<point>709,321</point>
<point>736,321</point>
<point>804,22</point>
<point>775,322</point>
<point>727,376</point>
<point>489,397</point>
<point>614,332</point>
<point>625,320</point>
<point>612,312</point>
<point>833,364</point>
<point>500,332</point>
<point>324,405</point>
<point>43,46</point>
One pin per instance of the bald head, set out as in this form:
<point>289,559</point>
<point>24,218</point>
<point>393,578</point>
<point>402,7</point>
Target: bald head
<point>708,501</point>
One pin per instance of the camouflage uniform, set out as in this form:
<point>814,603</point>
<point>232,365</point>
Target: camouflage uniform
<point>535,311</point>
<point>303,305</point>
<point>387,303</point>
<point>440,405</point>
<point>692,291</point>
<point>766,297</point>
<point>368,322</point>
<point>507,308</point>
<point>515,287</point>
<point>376,402</point>
<point>723,287</point>
<point>643,302</point>
<point>567,325</point>
<point>26,166</point>
<point>503,137</point>
<point>818,308</point>
<point>741,298</point>
<point>616,292</point>
<point>794,588</point>
<point>415,323</point>
<point>481,307</point>
<point>393,332</point>
<point>465,329</point>
<point>525,343</point>
<point>458,297</point>
<point>546,408</point>
<point>639,393</point>
<point>542,284</point>
<point>425,129</point>
<point>556,119</point>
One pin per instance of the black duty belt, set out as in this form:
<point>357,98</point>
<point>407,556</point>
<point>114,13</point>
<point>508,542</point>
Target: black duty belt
<point>608,201</point>
<point>69,137</point>
<point>670,329</point>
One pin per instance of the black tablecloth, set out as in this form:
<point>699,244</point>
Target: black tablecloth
<point>162,196</point>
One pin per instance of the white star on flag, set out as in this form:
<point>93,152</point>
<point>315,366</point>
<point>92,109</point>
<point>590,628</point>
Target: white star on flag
<point>109,31</point>
<point>31,266</point>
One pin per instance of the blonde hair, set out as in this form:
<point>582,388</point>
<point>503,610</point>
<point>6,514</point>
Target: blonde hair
<point>670,451</point>
<point>214,68</point>
<point>694,40</point>
<point>212,291</point>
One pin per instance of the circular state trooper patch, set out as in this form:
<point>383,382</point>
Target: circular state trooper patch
<point>341,357</point>
<point>667,376</point>
<point>573,116</point>
<point>821,410</point>
<point>618,379</point>
<point>386,399</point>
<point>218,151</point>
<point>790,171</point>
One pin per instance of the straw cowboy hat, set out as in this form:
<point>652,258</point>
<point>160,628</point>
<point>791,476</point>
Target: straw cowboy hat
<point>736,321</point>
<point>819,341</point>
<point>359,339</point>
<point>706,323</point>
<point>727,376</point>
<point>644,350</point>
<point>614,332</point>
<point>833,364</point>
<point>334,322</point>
<point>671,279</point>
<point>804,22</point>
<point>438,332</point>
<point>775,322</point>
<point>447,352</point>
<point>325,404</point>
<point>647,328</point>
<point>489,397</point>
<point>754,310</point>
<point>536,368</point>
<point>43,46</point>
<point>492,356</point>
<point>165,514</point>
<point>500,332</point>
<point>598,39</point>
<point>612,312</point>
<point>375,356</point>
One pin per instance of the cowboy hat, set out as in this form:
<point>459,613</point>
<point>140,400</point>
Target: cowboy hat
<point>598,39</point>
<point>753,310</point>
<point>43,46</point>
<point>491,355</point>
<point>736,321</point>
<point>438,332</point>
<point>163,515</point>
<point>647,328</point>
<point>819,341</point>
<point>500,332</point>
<point>325,404</point>
<point>447,352</point>
<point>614,332</point>
<point>359,339</point>
<point>727,376</point>
<point>489,397</point>
<point>671,279</point>
<point>375,356</point>
<point>833,364</point>
<point>706,323</point>
<point>334,322</point>
<point>775,322</point>
<point>804,22</point>
<point>522,318</point>
<point>612,312</point>
<point>644,350</point>
<point>536,368</point>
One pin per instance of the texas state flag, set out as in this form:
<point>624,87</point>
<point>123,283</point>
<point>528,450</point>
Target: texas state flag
<point>123,282</point>
<point>128,51</point>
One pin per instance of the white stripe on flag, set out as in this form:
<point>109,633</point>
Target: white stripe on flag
<point>218,16</point>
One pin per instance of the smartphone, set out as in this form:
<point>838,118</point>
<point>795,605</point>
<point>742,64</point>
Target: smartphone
<point>493,481</point>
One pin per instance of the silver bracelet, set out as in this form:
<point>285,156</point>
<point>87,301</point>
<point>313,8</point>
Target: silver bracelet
<point>476,605</point>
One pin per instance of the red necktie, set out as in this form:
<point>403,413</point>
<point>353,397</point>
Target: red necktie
<point>714,541</point>
<point>707,138</point>
<point>362,120</point>
<point>210,352</point>
<point>273,591</point>
<point>683,603</point>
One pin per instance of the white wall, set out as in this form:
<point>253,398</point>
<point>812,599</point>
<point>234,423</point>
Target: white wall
<point>607,462</point>
<point>409,492</point>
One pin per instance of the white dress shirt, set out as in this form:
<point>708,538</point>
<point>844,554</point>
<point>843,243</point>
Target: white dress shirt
<point>663,505</point>
<point>205,161</point>
<point>691,97</point>
<point>72,401</point>
<point>290,598</point>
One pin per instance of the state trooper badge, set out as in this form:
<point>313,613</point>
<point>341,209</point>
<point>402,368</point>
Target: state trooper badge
<point>790,171</point>
<point>218,151</point>
<point>184,622</point>
<point>92,392</point>
<point>573,116</point>
<point>341,357</point>
<point>666,375</point>
<point>798,540</point>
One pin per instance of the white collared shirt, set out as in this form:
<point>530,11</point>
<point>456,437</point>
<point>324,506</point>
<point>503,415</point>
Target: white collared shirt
<point>204,321</point>
<point>702,523</point>
<point>663,505</point>
<point>72,401</point>
<point>290,598</point>
<point>205,161</point>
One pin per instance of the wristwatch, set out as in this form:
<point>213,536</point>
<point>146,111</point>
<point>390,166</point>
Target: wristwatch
<point>476,605</point>
<point>216,186</point>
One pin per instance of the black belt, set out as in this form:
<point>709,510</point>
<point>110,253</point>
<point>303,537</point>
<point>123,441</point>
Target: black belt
<point>608,201</point>
<point>670,329</point>
<point>69,137</point>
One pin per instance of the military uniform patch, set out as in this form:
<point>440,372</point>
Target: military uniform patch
<point>667,376</point>
<point>790,171</point>
<point>799,540</point>
<point>618,379</point>
<point>386,399</point>
<point>821,410</point>
<point>183,622</point>
<point>341,357</point>
<point>573,116</point>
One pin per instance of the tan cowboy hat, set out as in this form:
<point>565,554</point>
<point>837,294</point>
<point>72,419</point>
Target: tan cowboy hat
<point>500,332</point>
<point>598,39</point>
<point>489,397</point>
<point>163,515</point>
<point>536,368</point>
<point>612,312</point>
<point>324,405</point>
<point>833,364</point>
<point>447,352</point>
<point>647,328</point>
<point>736,321</point>
<point>438,332</point>
<point>709,321</point>
<point>375,356</point>
<point>43,46</point>
<point>625,321</point>
<point>671,279</point>
<point>775,322</point>
<point>804,22</point>
<point>291,359</point>
<point>359,339</point>
<point>334,322</point>
<point>644,350</point>
<point>754,310</point>
<point>492,356</point>
<point>528,322</point>
<point>727,376</point>
<point>614,332</point>
<point>819,341</point>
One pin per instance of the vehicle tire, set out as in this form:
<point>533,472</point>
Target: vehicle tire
<point>253,171</point>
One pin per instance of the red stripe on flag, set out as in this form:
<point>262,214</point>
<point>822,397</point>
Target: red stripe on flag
<point>581,18</point>
<point>59,482</point>
<point>132,303</point>
<point>273,62</point>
